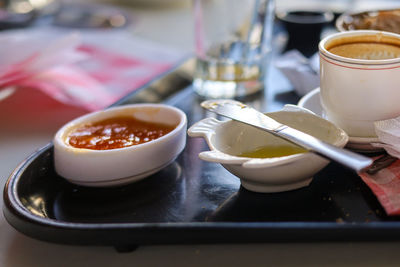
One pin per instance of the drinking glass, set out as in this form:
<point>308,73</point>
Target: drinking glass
<point>233,45</point>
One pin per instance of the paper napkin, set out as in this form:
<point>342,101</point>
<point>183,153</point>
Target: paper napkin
<point>388,132</point>
<point>385,183</point>
<point>303,73</point>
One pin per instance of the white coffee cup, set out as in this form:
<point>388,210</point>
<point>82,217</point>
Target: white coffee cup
<point>356,92</point>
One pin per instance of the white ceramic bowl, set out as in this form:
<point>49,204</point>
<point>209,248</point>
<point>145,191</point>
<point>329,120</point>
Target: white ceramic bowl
<point>229,138</point>
<point>122,165</point>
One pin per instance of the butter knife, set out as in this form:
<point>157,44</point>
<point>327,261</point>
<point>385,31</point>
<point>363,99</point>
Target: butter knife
<point>240,112</point>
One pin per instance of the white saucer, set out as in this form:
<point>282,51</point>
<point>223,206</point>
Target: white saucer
<point>312,102</point>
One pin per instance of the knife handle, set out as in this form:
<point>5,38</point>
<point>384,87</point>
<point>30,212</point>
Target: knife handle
<point>345,157</point>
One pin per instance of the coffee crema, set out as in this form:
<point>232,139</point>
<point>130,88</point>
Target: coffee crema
<point>369,51</point>
<point>368,47</point>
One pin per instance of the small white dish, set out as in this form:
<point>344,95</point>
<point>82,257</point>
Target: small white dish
<point>311,101</point>
<point>112,167</point>
<point>226,139</point>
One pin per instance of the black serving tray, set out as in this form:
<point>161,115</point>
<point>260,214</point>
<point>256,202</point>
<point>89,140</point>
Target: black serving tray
<point>192,201</point>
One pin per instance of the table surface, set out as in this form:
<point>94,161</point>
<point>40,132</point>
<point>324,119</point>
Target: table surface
<point>23,134</point>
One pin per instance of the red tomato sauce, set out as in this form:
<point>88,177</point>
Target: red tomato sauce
<point>117,132</point>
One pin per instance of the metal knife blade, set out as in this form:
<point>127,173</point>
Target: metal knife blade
<point>245,114</point>
<point>240,112</point>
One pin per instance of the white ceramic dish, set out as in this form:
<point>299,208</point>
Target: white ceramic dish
<point>229,138</point>
<point>122,165</point>
<point>312,102</point>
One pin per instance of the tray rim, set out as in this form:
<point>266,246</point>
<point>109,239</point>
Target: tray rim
<point>20,218</point>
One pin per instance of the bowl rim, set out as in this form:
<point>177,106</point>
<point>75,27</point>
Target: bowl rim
<point>315,17</point>
<point>59,139</point>
<point>383,62</point>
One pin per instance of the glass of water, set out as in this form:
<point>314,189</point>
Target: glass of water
<point>233,45</point>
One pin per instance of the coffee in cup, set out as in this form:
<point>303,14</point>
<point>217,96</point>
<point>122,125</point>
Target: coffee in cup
<point>360,79</point>
<point>369,51</point>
